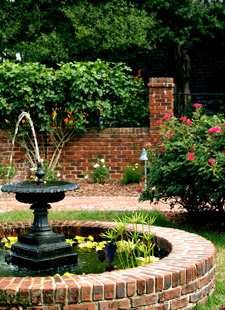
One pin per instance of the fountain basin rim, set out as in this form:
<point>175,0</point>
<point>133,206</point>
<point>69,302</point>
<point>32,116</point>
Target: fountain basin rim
<point>34,187</point>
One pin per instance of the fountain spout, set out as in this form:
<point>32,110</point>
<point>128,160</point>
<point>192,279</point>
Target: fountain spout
<point>39,173</point>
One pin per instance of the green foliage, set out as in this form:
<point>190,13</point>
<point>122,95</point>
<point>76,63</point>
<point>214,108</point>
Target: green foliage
<point>134,247</point>
<point>110,29</point>
<point>187,163</point>
<point>132,174</point>
<point>4,168</point>
<point>10,301</point>
<point>54,31</point>
<point>78,92</point>
<point>100,171</point>
<point>186,22</point>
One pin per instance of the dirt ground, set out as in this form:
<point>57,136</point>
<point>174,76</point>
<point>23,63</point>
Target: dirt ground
<point>109,189</point>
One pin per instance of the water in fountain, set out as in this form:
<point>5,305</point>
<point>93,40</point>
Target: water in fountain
<point>20,117</point>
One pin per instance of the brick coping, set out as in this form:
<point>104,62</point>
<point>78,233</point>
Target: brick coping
<point>181,280</point>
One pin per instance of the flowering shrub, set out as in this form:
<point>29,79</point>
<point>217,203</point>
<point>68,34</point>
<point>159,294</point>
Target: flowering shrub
<point>100,171</point>
<point>187,162</point>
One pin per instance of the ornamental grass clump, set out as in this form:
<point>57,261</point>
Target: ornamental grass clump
<point>187,162</point>
<point>132,174</point>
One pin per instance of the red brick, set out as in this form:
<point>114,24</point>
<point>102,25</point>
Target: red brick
<point>203,281</point>
<point>73,293</point>
<point>131,287</point>
<point>89,306</point>
<point>44,308</point>
<point>36,294</point>
<point>170,294</point>
<point>115,304</point>
<point>60,293</point>
<point>179,303</point>
<point>196,297</point>
<point>144,300</point>
<point>85,292</point>
<point>158,307</point>
<point>188,288</point>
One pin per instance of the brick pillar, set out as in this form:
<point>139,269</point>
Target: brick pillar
<point>161,101</point>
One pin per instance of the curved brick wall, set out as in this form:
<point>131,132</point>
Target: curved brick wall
<point>179,281</point>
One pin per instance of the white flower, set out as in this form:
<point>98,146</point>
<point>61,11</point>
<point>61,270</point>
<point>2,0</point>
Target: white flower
<point>32,169</point>
<point>58,174</point>
<point>102,160</point>
<point>103,166</point>
<point>96,166</point>
<point>41,160</point>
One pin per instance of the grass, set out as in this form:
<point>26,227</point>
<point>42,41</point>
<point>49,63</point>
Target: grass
<point>218,239</point>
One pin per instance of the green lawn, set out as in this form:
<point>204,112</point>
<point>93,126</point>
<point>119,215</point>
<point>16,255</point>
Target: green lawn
<point>218,239</point>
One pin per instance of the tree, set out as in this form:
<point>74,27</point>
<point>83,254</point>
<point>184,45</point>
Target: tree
<point>37,30</point>
<point>183,23</point>
<point>110,30</point>
<point>53,31</point>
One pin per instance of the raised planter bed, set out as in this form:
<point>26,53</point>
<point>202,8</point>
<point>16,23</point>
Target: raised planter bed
<point>181,280</point>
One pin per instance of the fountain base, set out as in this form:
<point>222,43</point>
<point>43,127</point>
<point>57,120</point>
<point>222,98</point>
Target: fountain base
<point>41,253</point>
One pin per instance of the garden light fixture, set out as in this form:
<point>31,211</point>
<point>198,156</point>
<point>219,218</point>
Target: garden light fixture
<point>144,158</point>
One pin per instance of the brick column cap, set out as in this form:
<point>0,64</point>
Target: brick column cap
<point>161,82</point>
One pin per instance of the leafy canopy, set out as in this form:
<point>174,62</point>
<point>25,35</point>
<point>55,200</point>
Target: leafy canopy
<point>54,31</point>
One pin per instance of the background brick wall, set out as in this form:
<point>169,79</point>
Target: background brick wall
<point>118,146</point>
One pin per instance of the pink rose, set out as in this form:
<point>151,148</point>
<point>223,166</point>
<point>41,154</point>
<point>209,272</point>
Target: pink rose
<point>182,118</point>
<point>154,140</point>
<point>189,121</point>
<point>197,105</point>
<point>148,144</point>
<point>214,129</point>
<point>161,148</point>
<point>170,133</point>
<point>166,116</point>
<point>191,156</point>
<point>159,122</point>
<point>211,160</point>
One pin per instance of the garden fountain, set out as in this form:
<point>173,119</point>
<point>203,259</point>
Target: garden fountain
<point>41,248</point>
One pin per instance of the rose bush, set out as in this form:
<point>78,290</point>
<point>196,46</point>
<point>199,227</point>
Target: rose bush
<point>187,163</point>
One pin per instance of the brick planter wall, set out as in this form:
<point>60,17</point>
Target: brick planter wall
<point>179,281</point>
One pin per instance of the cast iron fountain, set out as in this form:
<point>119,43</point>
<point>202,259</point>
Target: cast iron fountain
<point>41,248</point>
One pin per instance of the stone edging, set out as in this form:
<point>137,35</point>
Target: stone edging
<point>179,281</point>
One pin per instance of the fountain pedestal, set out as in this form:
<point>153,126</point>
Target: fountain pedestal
<point>41,248</point>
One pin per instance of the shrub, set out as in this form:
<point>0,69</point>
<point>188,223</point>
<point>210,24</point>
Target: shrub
<point>5,173</point>
<point>132,174</point>
<point>187,162</point>
<point>70,100</point>
<point>86,90</point>
<point>100,171</point>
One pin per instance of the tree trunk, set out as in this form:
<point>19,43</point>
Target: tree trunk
<point>182,75</point>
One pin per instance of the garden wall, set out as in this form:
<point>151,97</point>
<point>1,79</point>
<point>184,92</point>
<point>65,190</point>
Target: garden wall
<point>181,280</point>
<point>118,146</point>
